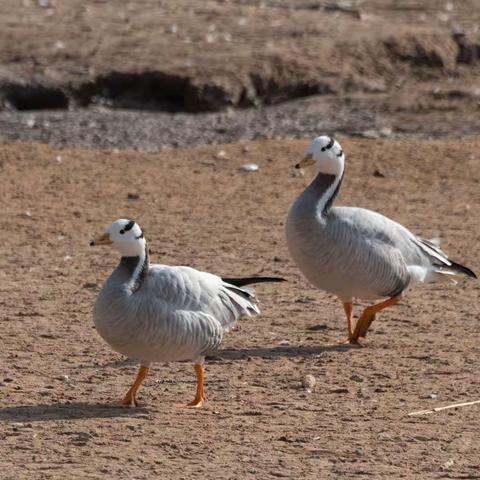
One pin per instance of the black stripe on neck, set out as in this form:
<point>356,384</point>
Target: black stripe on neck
<point>131,264</point>
<point>320,186</point>
<point>329,202</point>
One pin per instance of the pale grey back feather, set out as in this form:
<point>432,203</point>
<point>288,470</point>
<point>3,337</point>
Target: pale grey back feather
<point>353,252</point>
<point>179,313</point>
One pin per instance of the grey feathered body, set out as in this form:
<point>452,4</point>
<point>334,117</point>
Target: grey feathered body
<point>354,252</point>
<point>174,314</point>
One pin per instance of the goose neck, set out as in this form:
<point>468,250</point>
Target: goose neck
<point>137,268</point>
<point>324,189</point>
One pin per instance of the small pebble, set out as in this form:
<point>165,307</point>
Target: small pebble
<point>249,167</point>
<point>373,134</point>
<point>221,154</point>
<point>448,464</point>
<point>210,38</point>
<point>386,132</point>
<point>309,382</point>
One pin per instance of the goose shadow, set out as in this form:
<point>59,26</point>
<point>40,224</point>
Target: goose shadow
<point>66,411</point>
<point>287,351</point>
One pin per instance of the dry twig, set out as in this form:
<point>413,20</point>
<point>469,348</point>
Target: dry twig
<point>439,409</point>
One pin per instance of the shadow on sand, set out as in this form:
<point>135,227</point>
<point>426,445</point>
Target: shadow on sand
<point>287,351</point>
<point>82,410</point>
<point>66,411</point>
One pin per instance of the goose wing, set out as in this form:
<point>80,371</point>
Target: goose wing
<point>416,251</point>
<point>372,250</point>
<point>440,260</point>
<point>394,252</point>
<point>185,289</point>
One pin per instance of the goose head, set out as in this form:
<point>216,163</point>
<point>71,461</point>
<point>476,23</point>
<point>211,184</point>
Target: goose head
<point>327,154</point>
<point>123,235</point>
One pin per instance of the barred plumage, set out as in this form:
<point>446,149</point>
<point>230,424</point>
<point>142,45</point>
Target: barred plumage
<point>159,313</point>
<point>353,252</point>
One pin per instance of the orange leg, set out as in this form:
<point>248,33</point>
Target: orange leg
<point>348,307</point>
<point>368,316</point>
<point>131,396</point>
<point>200,394</point>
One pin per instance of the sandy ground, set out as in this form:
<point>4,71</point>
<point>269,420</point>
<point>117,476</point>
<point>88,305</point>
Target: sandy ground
<point>58,380</point>
<point>148,75</point>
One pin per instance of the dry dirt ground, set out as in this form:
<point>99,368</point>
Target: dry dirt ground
<point>59,380</point>
<point>147,74</point>
<point>358,67</point>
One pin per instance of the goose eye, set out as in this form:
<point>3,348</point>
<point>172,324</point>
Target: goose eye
<point>122,231</point>
<point>324,148</point>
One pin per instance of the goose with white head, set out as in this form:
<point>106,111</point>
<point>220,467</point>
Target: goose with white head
<point>356,253</point>
<point>161,313</point>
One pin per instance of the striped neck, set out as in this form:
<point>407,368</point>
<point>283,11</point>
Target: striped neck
<point>137,268</point>
<point>324,189</point>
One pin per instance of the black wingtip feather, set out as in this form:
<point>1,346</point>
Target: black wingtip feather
<point>240,282</point>
<point>462,269</point>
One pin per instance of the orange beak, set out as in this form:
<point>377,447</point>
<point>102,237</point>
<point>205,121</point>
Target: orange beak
<point>305,161</point>
<point>101,240</point>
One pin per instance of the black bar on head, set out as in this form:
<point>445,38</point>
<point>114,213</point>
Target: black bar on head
<point>330,143</point>
<point>129,225</point>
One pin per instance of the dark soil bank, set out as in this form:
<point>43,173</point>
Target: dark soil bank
<point>144,75</point>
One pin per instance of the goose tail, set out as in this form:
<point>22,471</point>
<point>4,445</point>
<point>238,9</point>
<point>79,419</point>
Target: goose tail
<point>241,282</point>
<point>458,268</point>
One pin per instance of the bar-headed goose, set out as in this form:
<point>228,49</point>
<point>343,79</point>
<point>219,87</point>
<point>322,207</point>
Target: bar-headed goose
<point>353,252</point>
<point>159,313</point>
